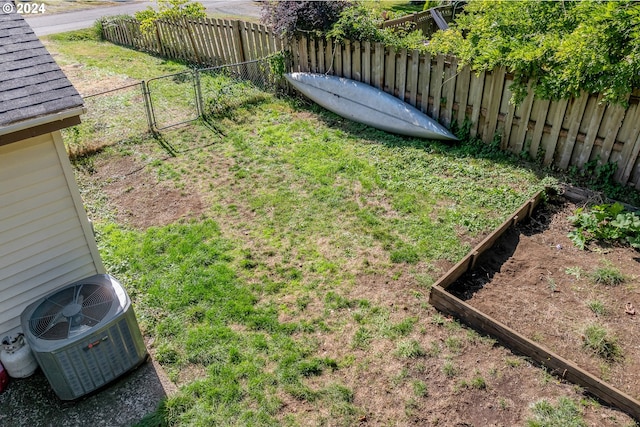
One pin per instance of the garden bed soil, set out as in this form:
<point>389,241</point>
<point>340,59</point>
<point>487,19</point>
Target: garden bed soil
<point>537,282</point>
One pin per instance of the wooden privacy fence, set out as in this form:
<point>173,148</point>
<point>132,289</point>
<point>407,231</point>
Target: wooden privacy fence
<point>568,133</point>
<point>565,133</point>
<point>207,42</point>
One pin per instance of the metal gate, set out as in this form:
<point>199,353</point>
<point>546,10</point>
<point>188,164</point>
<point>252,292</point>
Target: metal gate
<point>173,99</point>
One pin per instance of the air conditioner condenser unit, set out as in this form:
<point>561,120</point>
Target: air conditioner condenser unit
<point>84,335</point>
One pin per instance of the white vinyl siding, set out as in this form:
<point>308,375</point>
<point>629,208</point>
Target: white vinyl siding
<point>45,237</point>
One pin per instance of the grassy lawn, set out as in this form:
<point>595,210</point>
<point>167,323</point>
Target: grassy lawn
<point>297,293</point>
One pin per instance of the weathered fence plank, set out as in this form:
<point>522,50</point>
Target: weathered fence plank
<point>476,97</point>
<point>377,73</point>
<point>346,59</point>
<point>577,111</point>
<point>437,78</point>
<point>424,82</point>
<point>612,130</point>
<point>523,124</point>
<point>412,77</point>
<point>400,83</point>
<point>449,87</point>
<point>356,61</point>
<point>366,63</point>
<point>462,93</point>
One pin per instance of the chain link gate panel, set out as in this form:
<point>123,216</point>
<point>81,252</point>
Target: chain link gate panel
<point>173,99</point>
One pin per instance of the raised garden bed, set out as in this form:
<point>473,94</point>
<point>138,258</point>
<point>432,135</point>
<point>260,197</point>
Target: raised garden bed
<point>531,288</point>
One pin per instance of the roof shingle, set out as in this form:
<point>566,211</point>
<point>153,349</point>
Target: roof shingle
<point>31,83</point>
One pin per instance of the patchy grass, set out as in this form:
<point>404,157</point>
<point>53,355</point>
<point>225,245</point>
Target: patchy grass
<point>297,293</point>
<point>597,339</point>
<point>565,413</point>
<point>607,275</point>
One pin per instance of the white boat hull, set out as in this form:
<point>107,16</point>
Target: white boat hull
<point>365,104</point>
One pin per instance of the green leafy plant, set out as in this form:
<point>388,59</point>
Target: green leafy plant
<point>563,48</point>
<point>169,9</point>
<point>608,222</point>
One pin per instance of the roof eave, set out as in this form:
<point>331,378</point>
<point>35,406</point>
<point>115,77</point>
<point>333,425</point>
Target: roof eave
<point>40,125</point>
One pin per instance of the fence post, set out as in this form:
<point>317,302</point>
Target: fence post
<point>147,105</point>
<point>199,102</point>
<point>237,36</point>
<point>157,31</point>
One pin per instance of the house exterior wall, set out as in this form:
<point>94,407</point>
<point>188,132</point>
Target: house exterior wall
<point>46,240</point>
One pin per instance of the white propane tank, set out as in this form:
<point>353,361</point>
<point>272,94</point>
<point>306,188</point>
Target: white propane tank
<point>17,358</point>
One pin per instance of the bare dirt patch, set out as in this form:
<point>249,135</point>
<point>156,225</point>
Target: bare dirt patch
<point>536,281</point>
<point>140,198</point>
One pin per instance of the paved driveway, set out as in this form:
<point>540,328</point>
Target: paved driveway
<point>61,22</point>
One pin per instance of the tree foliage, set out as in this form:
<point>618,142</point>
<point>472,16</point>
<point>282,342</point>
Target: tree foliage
<point>287,17</point>
<point>563,47</point>
<point>170,9</point>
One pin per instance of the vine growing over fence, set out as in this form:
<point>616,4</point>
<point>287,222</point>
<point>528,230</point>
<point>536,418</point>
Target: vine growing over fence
<point>563,47</point>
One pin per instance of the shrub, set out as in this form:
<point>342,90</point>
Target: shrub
<point>169,9</point>
<point>287,17</point>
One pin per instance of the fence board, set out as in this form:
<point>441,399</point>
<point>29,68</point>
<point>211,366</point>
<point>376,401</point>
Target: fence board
<point>612,131</point>
<point>346,59</point>
<point>356,61</point>
<point>313,55</point>
<point>629,151</point>
<point>496,87</point>
<point>556,127</point>
<point>246,38</point>
<point>389,71</point>
<point>295,58</point>
<point>507,126</point>
<point>477,94</point>
<point>221,36</point>
<point>523,123</point>
<point>321,65</point>
<point>633,158</point>
<point>449,87</point>
<point>540,119</point>
<point>462,92</point>
<point>577,112</point>
<point>328,56</point>
<point>412,77</point>
<point>592,133</point>
<point>366,63</point>
<point>424,81</point>
<point>377,74</point>
<point>304,56</point>
<point>337,58</point>
<point>401,74</point>
<point>436,88</point>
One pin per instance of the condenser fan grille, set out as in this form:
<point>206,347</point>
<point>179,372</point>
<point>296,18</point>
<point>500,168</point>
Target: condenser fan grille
<point>71,311</point>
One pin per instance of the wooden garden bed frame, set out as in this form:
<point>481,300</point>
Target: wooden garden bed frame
<point>445,302</point>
